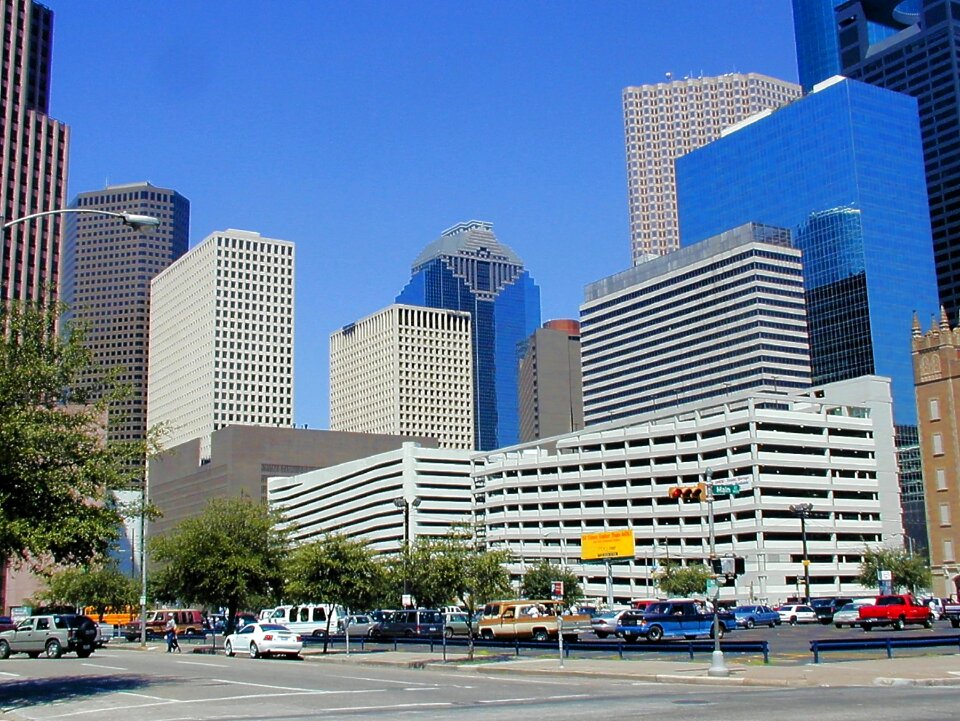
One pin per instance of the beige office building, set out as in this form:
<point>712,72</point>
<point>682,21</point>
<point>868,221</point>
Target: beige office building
<point>936,368</point>
<point>672,118</point>
<point>221,337</point>
<point>405,370</point>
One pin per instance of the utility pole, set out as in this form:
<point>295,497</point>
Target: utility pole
<point>803,510</point>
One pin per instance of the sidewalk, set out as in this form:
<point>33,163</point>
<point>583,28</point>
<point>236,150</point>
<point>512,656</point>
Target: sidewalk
<point>933,670</point>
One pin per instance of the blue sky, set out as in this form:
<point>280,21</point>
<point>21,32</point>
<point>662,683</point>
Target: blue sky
<point>361,130</point>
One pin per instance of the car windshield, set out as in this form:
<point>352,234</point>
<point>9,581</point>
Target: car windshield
<point>655,608</point>
<point>821,602</point>
<point>849,607</point>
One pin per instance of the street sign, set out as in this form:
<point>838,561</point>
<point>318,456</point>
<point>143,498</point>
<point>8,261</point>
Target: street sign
<point>725,489</point>
<point>556,590</point>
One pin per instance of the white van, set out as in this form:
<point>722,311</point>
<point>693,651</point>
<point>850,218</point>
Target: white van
<point>309,619</point>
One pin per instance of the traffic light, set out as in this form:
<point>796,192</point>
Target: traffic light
<point>689,493</point>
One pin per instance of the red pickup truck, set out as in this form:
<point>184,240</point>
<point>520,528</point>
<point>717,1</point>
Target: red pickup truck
<point>895,610</point>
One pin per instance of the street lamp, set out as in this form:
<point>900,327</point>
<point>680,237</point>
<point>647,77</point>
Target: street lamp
<point>803,510</point>
<point>134,220</point>
<point>405,504</point>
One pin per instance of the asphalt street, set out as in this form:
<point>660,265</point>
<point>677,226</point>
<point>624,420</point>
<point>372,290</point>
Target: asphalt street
<point>120,685</point>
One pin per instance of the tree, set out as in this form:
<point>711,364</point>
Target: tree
<point>537,582</point>
<point>55,466</point>
<point>101,586</point>
<point>677,580</point>
<point>223,558</point>
<point>334,569</point>
<point>908,571</point>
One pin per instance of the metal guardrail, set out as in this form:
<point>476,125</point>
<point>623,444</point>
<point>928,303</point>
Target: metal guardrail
<point>888,643</point>
<point>516,645</point>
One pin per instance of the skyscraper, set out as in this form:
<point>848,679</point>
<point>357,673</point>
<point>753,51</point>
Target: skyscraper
<point>405,370</point>
<point>664,121</point>
<point>33,153</point>
<point>221,337</point>
<point>843,169</point>
<point>717,318</point>
<point>468,269</point>
<point>105,281</point>
<point>551,382</point>
<point>814,27</point>
<point>917,56</point>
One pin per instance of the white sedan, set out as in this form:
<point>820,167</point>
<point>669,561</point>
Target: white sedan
<point>794,614</point>
<point>262,640</point>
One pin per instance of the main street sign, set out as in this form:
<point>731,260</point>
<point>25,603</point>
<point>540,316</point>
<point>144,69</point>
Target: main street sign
<point>725,489</point>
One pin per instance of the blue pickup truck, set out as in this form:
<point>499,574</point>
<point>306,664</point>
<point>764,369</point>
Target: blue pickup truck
<point>672,619</point>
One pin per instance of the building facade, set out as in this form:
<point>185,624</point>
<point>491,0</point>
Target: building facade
<point>468,269</point>
<point>240,459</point>
<point>221,337</point>
<point>405,494</point>
<point>718,317</point>
<point>537,500</point>
<point>917,55</point>
<point>665,120</point>
<point>551,381</point>
<point>842,168</point>
<point>105,282</point>
<point>33,154</point>
<point>936,362</point>
<point>405,370</point>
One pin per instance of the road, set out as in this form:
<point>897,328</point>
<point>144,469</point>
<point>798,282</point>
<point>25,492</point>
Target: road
<point>121,685</point>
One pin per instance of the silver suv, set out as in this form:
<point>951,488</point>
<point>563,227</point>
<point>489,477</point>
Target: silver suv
<point>51,634</point>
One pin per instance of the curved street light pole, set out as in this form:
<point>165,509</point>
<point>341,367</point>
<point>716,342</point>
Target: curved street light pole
<point>134,220</point>
<point>405,504</point>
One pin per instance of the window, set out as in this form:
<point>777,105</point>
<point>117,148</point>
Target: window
<point>941,479</point>
<point>937,444</point>
<point>944,514</point>
<point>934,409</point>
<point>948,550</point>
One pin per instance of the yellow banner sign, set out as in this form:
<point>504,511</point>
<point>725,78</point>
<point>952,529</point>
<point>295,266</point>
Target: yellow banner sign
<point>607,544</point>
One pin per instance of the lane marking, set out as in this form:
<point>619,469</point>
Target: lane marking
<point>202,663</point>
<point>6,673</point>
<point>384,680</point>
<point>507,700</point>
<point>100,665</point>
<point>264,685</point>
<point>142,695</point>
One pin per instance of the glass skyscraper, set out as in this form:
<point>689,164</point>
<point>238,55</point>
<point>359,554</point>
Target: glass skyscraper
<point>468,269</point>
<point>843,169</point>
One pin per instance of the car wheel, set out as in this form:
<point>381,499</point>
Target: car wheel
<point>54,649</point>
<point>793,620</point>
<point>720,631</point>
<point>955,622</point>
<point>774,624</point>
<point>541,635</point>
<point>448,632</point>
<point>867,626</point>
<point>838,625</point>
<point>898,625</point>
<point>630,637</point>
<point>750,623</point>
<point>928,623</point>
<point>4,649</point>
<point>293,656</point>
<point>228,648</point>
<point>84,653</point>
<point>254,651</point>
<point>601,634</point>
<point>317,633</point>
<point>655,634</point>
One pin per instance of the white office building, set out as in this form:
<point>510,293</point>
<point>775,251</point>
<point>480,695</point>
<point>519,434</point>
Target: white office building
<point>725,315</point>
<point>538,499</point>
<point>665,120</point>
<point>412,492</point>
<point>221,338</point>
<point>405,370</point>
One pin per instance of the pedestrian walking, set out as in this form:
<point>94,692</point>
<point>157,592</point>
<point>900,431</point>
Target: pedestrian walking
<point>172,642</point>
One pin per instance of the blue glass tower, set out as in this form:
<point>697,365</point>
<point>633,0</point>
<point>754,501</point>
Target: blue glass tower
<point>843,169</point>
<point>468,269</point>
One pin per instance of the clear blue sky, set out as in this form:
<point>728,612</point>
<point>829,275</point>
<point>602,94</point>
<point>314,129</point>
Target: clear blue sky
<point>361,130</point>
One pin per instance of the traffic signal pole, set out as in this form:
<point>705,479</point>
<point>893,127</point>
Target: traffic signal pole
<point>717,666</point>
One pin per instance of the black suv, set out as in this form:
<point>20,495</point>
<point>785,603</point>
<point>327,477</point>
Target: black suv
<point>826,607</point>
<point>51,634</point>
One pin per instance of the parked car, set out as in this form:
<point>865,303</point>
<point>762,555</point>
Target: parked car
<point>6,624</point>
<point>410,623</point>
<point>53,635</point>
<point>606,623</point>
<point>794,613</point>
<point>359,625</point>
<point>188,621</point>
<point>750,616</point>
<point>896,610</point>
<point>849,614</point>
<point>309,619</point>
<point>456,624</point>
<point>673,619</point>
<point>826,607</point>
<point>263,640</point>
<point>218,623</point>
<point>530,619</point>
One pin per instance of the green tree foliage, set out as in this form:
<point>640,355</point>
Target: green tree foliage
<point>909,572</point>
<point>55,467</point>
<point>101,586</point>
<point>225,557</point>
<point>677,580</point>
<point>537,582</point>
